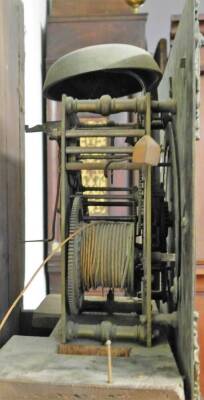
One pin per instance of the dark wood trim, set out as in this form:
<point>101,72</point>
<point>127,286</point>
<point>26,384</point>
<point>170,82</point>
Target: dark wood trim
<point>202,69</point>
<point>161,54</point>
<point>11,161</point>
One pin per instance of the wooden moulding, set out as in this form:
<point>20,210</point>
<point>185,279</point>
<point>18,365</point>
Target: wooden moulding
<point>85,350</point>
<point>73,8</point>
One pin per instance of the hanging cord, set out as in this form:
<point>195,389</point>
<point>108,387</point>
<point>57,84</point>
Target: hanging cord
<point>48,258</point>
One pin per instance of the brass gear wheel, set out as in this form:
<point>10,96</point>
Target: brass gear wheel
<point>74,287</point>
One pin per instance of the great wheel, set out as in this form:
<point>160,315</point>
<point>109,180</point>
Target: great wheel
<point>74,287</point>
